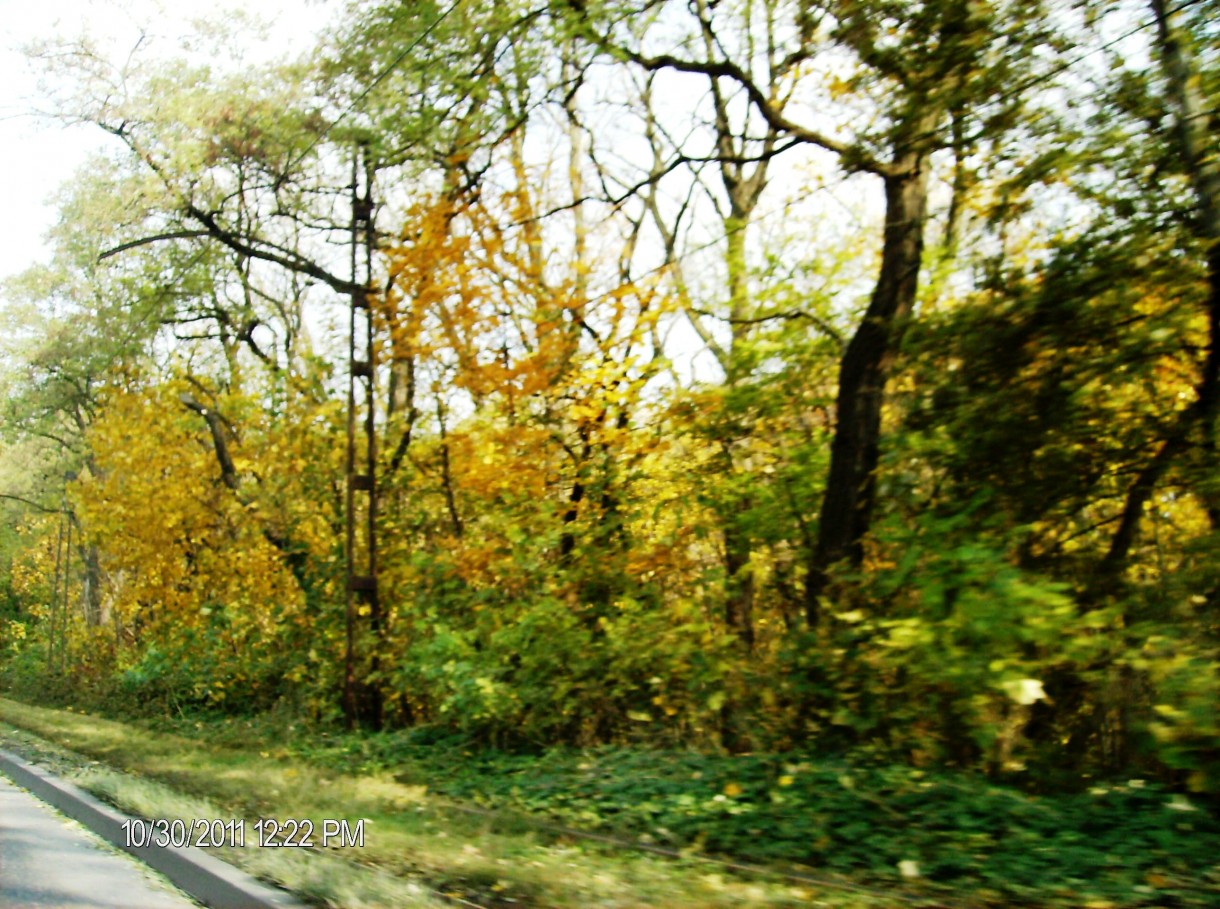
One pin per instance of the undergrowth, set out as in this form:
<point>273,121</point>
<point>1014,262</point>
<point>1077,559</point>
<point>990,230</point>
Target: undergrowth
<point>1130,841</point>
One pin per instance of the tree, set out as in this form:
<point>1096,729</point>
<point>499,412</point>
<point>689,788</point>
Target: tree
<point>931,78</point>
<point>1195,148</point>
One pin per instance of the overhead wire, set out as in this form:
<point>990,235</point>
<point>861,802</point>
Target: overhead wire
<point>1019,89</point>
<point>431,27</point>
<point>1059,69</point>
<point>377,80</point>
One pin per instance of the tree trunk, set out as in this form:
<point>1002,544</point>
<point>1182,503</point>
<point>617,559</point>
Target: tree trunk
<point>738,547</point>
<point>92,594</point>
<point>863,371</point>
<point>739,595</point>
<point>1203,170</point>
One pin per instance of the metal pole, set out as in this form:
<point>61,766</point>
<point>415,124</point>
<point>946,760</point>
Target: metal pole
<point>361,702</point>
<point>65,609</point>
<point>370,436</point>
<point>59,549</point>
<point>349,660</point>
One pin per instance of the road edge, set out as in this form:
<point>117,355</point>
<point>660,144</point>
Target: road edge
<point>207,879</point>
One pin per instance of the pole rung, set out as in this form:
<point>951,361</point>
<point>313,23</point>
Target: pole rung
<point>362,481</point>
<point>363,584</point>
<point>362,368</point>
<point>360,300</point>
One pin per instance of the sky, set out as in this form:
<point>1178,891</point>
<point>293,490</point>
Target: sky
<point>37,154</point>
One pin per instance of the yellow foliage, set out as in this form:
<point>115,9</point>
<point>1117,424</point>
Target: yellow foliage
<point>178,546</point>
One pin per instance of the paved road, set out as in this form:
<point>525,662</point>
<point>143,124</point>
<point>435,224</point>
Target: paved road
<point>49,862</point>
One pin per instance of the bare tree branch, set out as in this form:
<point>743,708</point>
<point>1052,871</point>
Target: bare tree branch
<point>764,105</point>
<point>228,472</point>
<point>25,501</point>
<point>157,238</point>
<point>822,325</point>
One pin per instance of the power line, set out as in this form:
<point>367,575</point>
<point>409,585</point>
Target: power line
<point>1019,89</point>
<point>1035,81</point>
<point>1023,87</point>
<point>377,80</point>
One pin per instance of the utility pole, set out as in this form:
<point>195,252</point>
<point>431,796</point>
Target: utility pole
<point>65,609</point>
<point>361,699</point>
<point>53,623</point>
<point>57,626</point>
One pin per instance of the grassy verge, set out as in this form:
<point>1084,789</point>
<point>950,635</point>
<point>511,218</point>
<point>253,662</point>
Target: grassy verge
<point>1128,844</point>
<point>431,855</point>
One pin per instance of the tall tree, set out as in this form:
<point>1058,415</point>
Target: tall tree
<point>929,77</point>
<point>1194,140</point>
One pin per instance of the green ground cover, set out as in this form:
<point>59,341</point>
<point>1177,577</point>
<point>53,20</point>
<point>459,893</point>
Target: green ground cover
<point>1127,843</point>
<point>417,851</point>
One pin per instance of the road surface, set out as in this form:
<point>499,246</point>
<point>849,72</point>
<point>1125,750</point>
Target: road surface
<point>50,862</point>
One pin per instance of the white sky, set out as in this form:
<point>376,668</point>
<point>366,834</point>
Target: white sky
<point>37,156</point>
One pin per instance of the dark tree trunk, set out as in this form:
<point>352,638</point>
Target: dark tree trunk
<point>739,593</point>
<point>863,372</point>
<point>1204,173</point>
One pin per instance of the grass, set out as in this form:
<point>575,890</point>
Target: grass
<point>1126,844</point>
<point>318,877</point>
<point>411,838</point>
